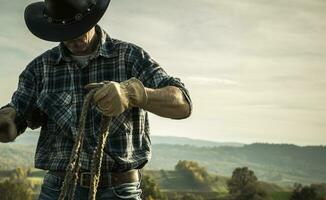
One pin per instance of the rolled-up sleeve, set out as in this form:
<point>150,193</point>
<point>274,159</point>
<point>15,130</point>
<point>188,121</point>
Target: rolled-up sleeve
<point>23,99</point>
<point>152,74</point>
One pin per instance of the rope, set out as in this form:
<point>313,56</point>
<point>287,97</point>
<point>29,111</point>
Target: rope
<point>70,182</point>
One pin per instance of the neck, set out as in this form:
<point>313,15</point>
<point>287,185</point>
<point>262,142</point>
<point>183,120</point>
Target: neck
<point>92,45</point>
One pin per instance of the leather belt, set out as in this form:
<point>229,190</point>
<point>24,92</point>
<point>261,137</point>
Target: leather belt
<point>106,179</point>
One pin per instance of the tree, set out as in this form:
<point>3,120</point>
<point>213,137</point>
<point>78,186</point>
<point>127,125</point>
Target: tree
<point>304,193</point>
<point>195,173</point>
<point>244,185</point>
<point>150,189</point>
<point>17,187</point>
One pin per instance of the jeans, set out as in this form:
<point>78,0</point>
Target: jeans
<point>51,186</point>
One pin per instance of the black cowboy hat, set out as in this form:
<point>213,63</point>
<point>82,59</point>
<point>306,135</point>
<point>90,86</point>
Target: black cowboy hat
<point>62,20</point>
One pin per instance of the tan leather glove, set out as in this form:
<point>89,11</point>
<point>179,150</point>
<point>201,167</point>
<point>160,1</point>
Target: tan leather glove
<point>8,131</point>
<point>114,98</point>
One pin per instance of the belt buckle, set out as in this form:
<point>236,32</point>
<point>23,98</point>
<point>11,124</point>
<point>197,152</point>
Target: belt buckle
<point>83,182</point>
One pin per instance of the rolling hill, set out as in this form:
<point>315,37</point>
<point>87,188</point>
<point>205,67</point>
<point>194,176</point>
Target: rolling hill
<point>283,164</point>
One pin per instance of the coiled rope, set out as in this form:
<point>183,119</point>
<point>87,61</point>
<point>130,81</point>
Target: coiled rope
<point>70,182</point>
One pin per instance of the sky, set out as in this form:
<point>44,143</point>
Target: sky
<point>255,69</point>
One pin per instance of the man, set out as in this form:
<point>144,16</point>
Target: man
<point>52,88</point>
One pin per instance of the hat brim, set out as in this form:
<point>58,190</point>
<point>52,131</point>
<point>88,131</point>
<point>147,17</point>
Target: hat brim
<point>39,25</point>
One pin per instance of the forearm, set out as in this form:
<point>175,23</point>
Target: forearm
<point>167,102</point>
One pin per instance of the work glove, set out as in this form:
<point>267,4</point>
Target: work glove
<point>8,130</point>
<point>113,98</point>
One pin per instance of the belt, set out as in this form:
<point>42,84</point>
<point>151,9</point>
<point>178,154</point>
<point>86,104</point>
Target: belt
<point>106,179</point>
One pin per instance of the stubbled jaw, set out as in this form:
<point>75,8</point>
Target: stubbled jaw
<point>78,45</point>
<point>82,44</point>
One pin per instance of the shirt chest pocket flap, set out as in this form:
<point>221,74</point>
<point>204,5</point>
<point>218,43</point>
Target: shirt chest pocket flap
<point>58,107</point>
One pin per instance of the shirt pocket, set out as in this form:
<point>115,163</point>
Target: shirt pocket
<point>58,107</point>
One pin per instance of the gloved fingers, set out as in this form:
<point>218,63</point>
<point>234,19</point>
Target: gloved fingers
<point>104,92</point>
<point>115,110</point>
<point>111,106</point>
<point>104,103</point>
<point>94,86</point>
<point>110,111</point>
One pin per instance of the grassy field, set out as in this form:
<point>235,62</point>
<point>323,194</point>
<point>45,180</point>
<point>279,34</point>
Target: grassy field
<point>280,195</point>
<point>172,182</point>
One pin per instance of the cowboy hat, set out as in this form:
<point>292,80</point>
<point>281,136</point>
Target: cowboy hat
<point>62,20</point>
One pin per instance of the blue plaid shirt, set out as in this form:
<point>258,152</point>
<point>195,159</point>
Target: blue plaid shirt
<point>53,83</point>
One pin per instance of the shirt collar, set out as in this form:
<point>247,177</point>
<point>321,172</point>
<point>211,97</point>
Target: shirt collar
<point>104,47</point>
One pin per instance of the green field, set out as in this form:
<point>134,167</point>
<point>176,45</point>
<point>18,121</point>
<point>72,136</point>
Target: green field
<point>170,182</point>
<point>280,195</point>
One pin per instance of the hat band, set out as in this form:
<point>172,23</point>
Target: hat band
<point>77,17</point>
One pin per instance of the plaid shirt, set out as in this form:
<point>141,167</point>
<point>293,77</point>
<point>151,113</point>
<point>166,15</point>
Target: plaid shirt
<point>53,83</point>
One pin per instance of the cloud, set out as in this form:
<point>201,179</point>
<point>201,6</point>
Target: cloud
<point>198,80</point>
<point>264,60</point>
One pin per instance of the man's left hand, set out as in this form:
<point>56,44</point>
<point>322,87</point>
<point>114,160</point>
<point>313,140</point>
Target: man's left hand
<point>114,98</point>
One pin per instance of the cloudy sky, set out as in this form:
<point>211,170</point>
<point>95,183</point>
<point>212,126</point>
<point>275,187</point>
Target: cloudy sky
<point>255,68</point>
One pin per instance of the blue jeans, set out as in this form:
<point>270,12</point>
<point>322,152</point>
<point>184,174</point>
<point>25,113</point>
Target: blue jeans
<point>51,186</point>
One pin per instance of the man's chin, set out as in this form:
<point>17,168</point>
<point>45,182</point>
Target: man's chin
<point>79,50</point>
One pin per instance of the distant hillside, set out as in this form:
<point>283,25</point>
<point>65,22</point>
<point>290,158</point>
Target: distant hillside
<point>281,164</point>
<point>193,142</point>
<point>31,137</point>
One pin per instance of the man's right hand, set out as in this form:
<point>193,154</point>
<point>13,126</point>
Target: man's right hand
<point>8,131</point>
